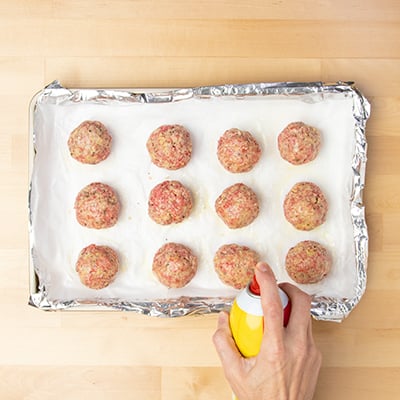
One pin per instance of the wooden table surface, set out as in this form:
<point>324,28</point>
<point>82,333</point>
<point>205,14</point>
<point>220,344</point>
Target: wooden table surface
<point>140,43</point>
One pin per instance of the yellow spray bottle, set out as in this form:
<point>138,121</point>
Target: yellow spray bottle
<point>246,318</point>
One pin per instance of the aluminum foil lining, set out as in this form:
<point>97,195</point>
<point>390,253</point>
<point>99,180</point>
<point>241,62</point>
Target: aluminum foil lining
<point>323,308</point>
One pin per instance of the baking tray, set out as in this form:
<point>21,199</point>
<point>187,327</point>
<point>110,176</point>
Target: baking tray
<point>259,107</point>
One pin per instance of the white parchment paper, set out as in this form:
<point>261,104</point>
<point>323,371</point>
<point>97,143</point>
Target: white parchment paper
<point>57,178</point>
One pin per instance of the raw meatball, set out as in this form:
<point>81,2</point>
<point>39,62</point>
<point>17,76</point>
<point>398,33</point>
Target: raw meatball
<point>308,262</point>
<point>97,266</point>
<point>235,265</point>
<point>305,206</point>
<point>170,203</point>
<point>174,265</point>
<point>97,206</point>
<point>238,151</point>
<point>90,142</point>
<point>299,143</point>
<point>170,146</point>
<point>237,206</point>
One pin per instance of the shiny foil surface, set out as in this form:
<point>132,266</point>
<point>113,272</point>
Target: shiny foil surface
<point>323,308</point>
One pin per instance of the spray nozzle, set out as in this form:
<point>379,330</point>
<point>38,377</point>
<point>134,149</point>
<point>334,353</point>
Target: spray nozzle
<point>254,287</point>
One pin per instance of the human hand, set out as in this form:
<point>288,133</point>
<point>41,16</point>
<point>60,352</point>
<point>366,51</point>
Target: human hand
<point>288,363</point>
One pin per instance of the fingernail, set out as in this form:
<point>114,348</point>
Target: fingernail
<point>262,266</point>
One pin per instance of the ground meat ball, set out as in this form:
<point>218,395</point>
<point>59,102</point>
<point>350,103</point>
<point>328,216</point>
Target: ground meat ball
<point>174,265</point>
<point>170,146</point>
<point>235,265</point>
<point>308,262</point>
<point>305,206</point>
<point>90,142</point>
<point>97,206</point>
<point>299,143</point>
<point>170,203</point>
<point>237,206</point>
<point>97,266</point>
<point>238,151</point>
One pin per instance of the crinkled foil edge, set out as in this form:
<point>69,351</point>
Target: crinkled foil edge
<point>323,308</point>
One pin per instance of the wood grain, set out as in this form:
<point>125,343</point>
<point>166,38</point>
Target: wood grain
<point>351,383</point>
<point>80,383</point>
<point>164,43</point>
<point>199,38</point>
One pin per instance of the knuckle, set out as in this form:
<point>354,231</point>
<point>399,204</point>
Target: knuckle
<point>274,311</point>
<point>217,337</point>
<point>314,355</point>
<point>230,374</point>
<point>276,350</point>
<point>318,357</point>
<point>302,350</point>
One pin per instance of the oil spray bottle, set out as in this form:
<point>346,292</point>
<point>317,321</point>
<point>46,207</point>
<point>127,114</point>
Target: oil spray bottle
<point>246,319</point>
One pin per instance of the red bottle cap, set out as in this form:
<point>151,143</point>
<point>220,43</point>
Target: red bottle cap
<point>254,287</point>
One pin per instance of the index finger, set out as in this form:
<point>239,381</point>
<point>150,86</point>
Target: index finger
<point>270,301</point>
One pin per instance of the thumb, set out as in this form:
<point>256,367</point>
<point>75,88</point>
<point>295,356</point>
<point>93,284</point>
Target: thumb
<point>225,345</point>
